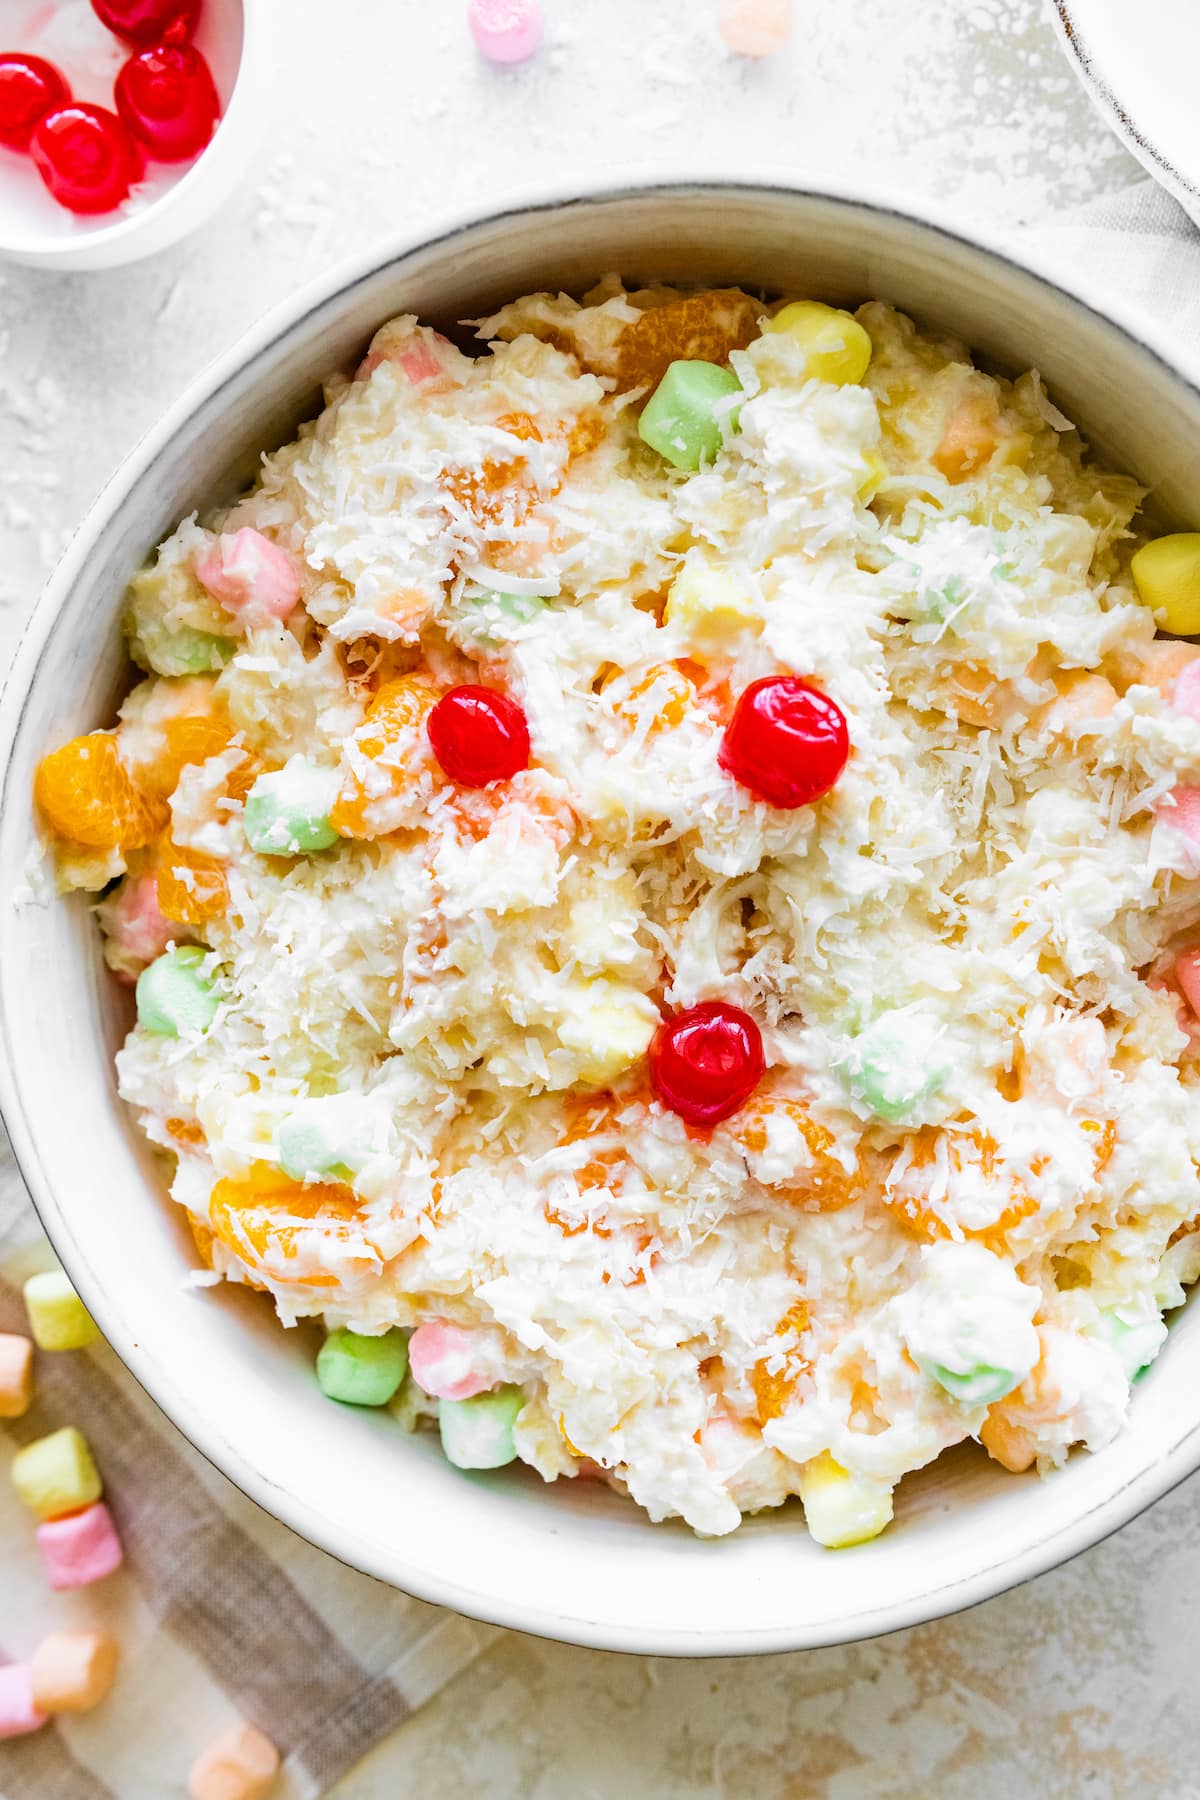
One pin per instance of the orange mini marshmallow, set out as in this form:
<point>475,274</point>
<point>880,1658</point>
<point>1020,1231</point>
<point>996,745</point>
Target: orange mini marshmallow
<point>239,1765</point>
<point>72,1671</point>
<point>16,1374</point>
<point>755,27</point>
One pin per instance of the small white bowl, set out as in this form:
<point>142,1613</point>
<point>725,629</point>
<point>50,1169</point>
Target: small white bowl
<point>1138,64</point>
<point>570,1560</point>
<point>234,36</point>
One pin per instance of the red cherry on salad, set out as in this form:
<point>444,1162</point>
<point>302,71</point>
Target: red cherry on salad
<point>86,157</point>
<point>149,21</point>
<point>167,98</point>
<point>706,1061</point>
<point>478,736</point>
<point>787,741</point>
<point>29,87</point>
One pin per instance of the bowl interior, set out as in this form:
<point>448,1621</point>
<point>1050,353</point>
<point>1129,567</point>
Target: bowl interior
<point>571,1560</point>
<point>68,34</point>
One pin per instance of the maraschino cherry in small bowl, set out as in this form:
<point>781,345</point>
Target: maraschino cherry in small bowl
<point>123,123</point>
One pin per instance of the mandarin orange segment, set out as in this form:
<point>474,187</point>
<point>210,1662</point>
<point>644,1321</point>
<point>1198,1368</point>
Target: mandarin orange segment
<point>397,711</point>
<point>186,1131</point>
<point>192,887</point>
<point>274,1224</point>
<point>188,738</point>
<point>913,1210</point>
<point>670,694</point>
<point>702,328</point>
<point>773,1388</point>
<point>825,1180</point>
<point>87,796</point>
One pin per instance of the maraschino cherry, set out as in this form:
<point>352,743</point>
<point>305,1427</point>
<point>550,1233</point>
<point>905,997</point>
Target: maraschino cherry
<point>478,736</point>
<point>787,741</point>
<point>167,98</point>
<point>145,22</point>
<point>86,157</point>
<point>706,1061</point>
<point>30,87</point>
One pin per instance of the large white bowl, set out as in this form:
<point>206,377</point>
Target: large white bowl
<point>1138,64</point>
<point>570,1561</point>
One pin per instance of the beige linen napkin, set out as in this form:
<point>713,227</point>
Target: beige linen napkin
<point>221,1612</point>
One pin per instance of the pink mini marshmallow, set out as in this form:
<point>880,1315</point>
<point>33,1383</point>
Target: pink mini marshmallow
<point>139,930</point>
<point>440,1357</point>
<point>82,1548</point>
<point>1185,694</point>
<point>755,27</point>
<point>18,1714</point>
<point>505,31</point>
<point>1180,809</point>
<point>250,576</point>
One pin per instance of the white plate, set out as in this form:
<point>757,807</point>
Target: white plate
<point>1141,64</point>
<point>568,1560</point>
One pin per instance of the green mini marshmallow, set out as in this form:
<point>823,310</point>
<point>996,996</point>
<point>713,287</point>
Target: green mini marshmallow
<point>324,1136</point>
<point>976,1387</point>
<point>681,421</point>
<point>181,652</point>
<point>287,811</point>
<point>1135,1332</point>
<point>173,997</point>
<point>478,1433</point>
<point>362,1371</point>
<point>896,1066</point>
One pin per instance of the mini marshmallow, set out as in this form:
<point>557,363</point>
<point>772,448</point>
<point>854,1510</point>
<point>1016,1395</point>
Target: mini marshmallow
<point>72,1671</point>
<point>441,1357</point>
<point>57,1316</point>
<point>18,1714</point>
<point>56,1475</point>
<point>240,1765</point>
<point>505,31</point>
<point>82,1548</point>
<point>362,1371</point>
<point>250,576</point>
<point>755,27</point>
<point>478,1433</point>
<point>16,1374</point>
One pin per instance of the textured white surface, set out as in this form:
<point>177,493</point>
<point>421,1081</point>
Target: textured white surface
<point>1087,1682</point>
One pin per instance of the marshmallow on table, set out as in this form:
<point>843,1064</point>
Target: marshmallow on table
<point>505,31</point>
<point>72,1671</point>
<point>755,27</point>
<point>82,1548</point>
<point>57,1316</point>
<point>56,1475</point>
<point>18,1714</point>
<point>16,1374</point>
<point>240,1765</point>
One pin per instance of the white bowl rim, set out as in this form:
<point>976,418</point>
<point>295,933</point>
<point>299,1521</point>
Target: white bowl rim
<point>1141,1490</point>
<point>1103,96</point>
<point>45,251</point>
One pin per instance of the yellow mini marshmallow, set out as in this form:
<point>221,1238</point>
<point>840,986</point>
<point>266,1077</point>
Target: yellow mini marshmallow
<point>56,1475</point>
<point>840,1508</point>
<point>240,1765</point>
<point>57,1316</point>
<point>611,1027</point>
<point>1166,573</point>
<point>708,605</point>
<point>16,1374</point>
<point>837,347</point>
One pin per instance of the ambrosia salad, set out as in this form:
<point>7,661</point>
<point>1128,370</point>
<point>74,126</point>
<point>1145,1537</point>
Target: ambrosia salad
<point>661,863</point>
